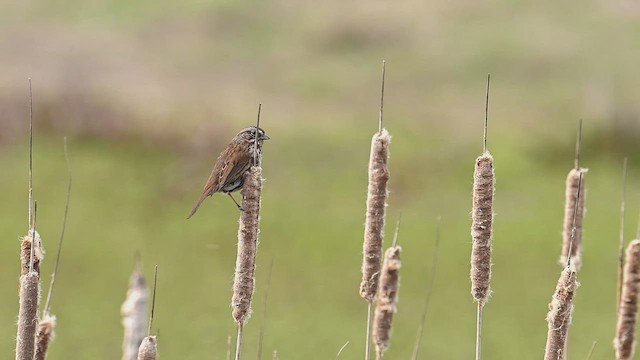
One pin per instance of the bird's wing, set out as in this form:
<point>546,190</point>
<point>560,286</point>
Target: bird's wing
<point>232,167</point>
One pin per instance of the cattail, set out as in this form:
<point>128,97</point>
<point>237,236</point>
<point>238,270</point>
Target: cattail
<point>625,341</point>
<point>29,294</point>
<point>44,335</point>
<point>134,314</point>
<point>375,217</point>
<point>244,281</point>
<point>148,349</point>
<point>376,204</point>
<point>481,231</point>
<point>559,316</point>
<point>571,210</point>
<point>482,228</point>
<point>386,300</point>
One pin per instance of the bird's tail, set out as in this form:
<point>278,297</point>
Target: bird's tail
<point>195,208</point>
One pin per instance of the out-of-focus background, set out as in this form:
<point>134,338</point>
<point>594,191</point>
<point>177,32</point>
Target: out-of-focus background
<point>149,93</point>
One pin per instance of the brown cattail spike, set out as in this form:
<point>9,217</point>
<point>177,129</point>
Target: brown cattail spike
<point>386,304</point>
<point>28,315</point>
<point>148,349</point>
<point>559,316</point>
<point>376,205</point>
<point>44,336</point>
<point>574,210</point>
<point>134,314</point>
<point>482,228</point>
<point>625,341</point>
<point>244,281</point>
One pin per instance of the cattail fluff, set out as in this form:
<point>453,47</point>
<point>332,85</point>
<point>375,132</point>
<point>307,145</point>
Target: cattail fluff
<point>25,253</point>
<point>571,195</point>
<point>134,315</point>
<point>482,228</point>
<point>559,316</point>
<point>387,299</point>
<point>376,204</point>
<point>44,336</point>
<point>244,280</point>
<point>625,340</point>
<point>148,349</point>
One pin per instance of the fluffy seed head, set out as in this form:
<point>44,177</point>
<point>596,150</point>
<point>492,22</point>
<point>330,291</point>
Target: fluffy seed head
<point>44,336</point>
<point>25,252</point>
<point>375,217</point>
<point>134,315</point>
<point>571,195</point>
<point>559,316</point>
<point>387,299</point>
<point>244,280</point>
<point>148,349</point>
<point>482,228</point>
<point>28,315</point>
<point>625,340</point>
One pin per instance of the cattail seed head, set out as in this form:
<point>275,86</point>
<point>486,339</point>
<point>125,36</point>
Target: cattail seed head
<point>387,299</point>
<point>571,196</point>
<point>376,206</point>
<point>244,280</point>
<point>28,315</point>
<point>625,340</point>
<point>134,315</point>
<point>148,349</point>
<point>482,228</point>
<point>559,316</point>
<point>25,252</point>
<point>44,336</point>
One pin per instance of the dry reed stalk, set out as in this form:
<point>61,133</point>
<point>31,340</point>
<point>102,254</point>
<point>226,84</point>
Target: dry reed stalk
<point>386,304</point>
<point>134,314</point>
<point>482,228</point>
<point>148,349</point>
<point>341,350</point>
<point>625,341</point>
<point>44,335</point>
<point>248,230</point>
<point>571,211</point>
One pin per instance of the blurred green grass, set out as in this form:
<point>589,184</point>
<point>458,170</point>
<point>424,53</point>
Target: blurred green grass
<point>150,92</point>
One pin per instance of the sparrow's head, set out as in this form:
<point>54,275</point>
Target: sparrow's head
<point>252,133</point>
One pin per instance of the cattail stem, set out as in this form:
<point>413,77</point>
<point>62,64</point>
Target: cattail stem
<point>559,316</point>
<point>341,350</point>
<point>228,347</point>
<point>479,330</point>
<point>386,304</point>
<point>624,342</point>
<point>367,352</point>
<point>239,341</point>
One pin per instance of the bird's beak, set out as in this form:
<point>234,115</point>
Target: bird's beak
<point>265,137</point>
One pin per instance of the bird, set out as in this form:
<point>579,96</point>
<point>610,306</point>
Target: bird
<point>228,172</point>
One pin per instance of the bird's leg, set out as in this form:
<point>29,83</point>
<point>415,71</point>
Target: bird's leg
<point>234,200</point>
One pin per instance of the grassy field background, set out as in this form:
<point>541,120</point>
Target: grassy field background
<point>149,93</point>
